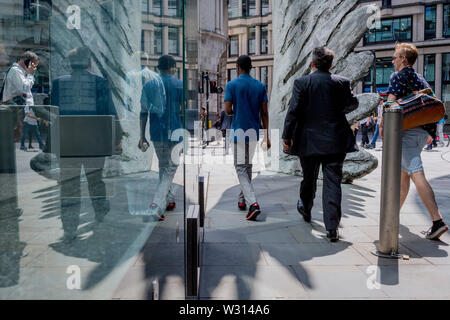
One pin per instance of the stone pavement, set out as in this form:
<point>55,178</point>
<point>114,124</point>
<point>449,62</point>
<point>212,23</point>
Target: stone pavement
<point>277,257</point>
<point>282,257</point>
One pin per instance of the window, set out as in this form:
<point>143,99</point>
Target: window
<point>429,69</point>
<point>263,76</point>
<point>232,74</point>
<point>391,30</point>
<point>145,6</point>
<point>157,42</point>
<point>36,9</point>
<point>173,41</point>
<point>253,73</point>
<point>265,7</point>
<point>430,22</point>
<point>251,40</point>
<point>174,8</point>
<point>384,69</point>
<point>234,46</point>
<point>156,7</point>
<point>233,8</point>
<point>446,31</point>
<point>446,79</point>
<point>264,41</point>
<point>387,4</point>
<point>142,40</point>
<point>248,8</point>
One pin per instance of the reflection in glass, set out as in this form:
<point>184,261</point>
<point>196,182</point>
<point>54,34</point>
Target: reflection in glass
<point>161,101</point>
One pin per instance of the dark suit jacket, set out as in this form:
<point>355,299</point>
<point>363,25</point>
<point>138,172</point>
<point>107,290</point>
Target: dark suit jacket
<point>316,117</point>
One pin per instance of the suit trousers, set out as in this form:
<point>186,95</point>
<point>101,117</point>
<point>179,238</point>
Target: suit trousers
<point>331,192</point>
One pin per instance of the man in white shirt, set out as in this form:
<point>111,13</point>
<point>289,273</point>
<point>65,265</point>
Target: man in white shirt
<point>17,90</point>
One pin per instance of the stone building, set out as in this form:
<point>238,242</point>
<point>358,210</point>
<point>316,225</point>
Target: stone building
<point>250,32</point>
<point>426,24</point>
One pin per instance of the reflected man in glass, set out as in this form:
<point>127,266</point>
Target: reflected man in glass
<point>161,101</point>
<point>81,93</point>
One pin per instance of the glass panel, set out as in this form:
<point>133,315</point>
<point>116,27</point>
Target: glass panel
<point>158,40</point>
<point>173,41</point>
<point>264,39</point>
<point>264,76</point>
<point>157,7</point>
<point>253,73</point>
<point>446,80</point>
<point>429,67</point>
<point>234,46</point>
<point>265,7</point>
<point>233,8</point>
<point>446,31</point>
<point>232,74</point>
<point>251,7</point>
<point>430,22</point>
<point>94,156</point>
<point>173,8</point>
<point>145,6</point>
<point>251,40</point>
<point>384,69</point>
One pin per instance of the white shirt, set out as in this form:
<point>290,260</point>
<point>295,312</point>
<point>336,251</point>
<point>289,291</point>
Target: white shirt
<point>17,83</point>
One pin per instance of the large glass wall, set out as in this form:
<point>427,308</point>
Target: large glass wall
<point>92,148</point>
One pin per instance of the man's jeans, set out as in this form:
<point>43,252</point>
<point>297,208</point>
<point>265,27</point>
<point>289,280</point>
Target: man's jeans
<point>34,129</point>
<point>71,189</point>
<point>243,155</point>
<point>375,135</point>
<point>166,190</point>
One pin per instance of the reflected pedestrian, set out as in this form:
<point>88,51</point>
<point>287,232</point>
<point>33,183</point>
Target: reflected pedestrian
<point>81,93</point>
<point>162,101</point>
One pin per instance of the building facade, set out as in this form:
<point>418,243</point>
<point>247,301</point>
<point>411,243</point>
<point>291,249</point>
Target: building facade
<point>426,24</point>
<point>250,33</point>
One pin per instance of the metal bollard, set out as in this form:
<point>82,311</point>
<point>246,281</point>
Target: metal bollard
<point>390,185</point>
<point>201,200</point>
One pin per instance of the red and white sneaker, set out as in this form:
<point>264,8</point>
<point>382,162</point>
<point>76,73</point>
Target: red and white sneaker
<point>253,212</point>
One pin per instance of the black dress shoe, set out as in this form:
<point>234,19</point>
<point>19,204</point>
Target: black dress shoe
<point>333,235</point>
<point>302,211</point>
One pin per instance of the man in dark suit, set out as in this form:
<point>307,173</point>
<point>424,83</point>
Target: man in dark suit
<point>317,130</point>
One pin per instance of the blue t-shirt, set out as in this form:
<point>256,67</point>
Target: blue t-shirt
<point>163,125</point>
<point>247,95</point>
<point>405,81</point>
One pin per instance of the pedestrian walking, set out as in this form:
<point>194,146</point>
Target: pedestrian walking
<point>404,81</point>
<point>246,100</point>
<point>317,130</point>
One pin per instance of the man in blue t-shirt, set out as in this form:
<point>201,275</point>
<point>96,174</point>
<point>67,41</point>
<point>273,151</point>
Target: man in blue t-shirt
<point>246,100</point>
<point>162,101</point>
